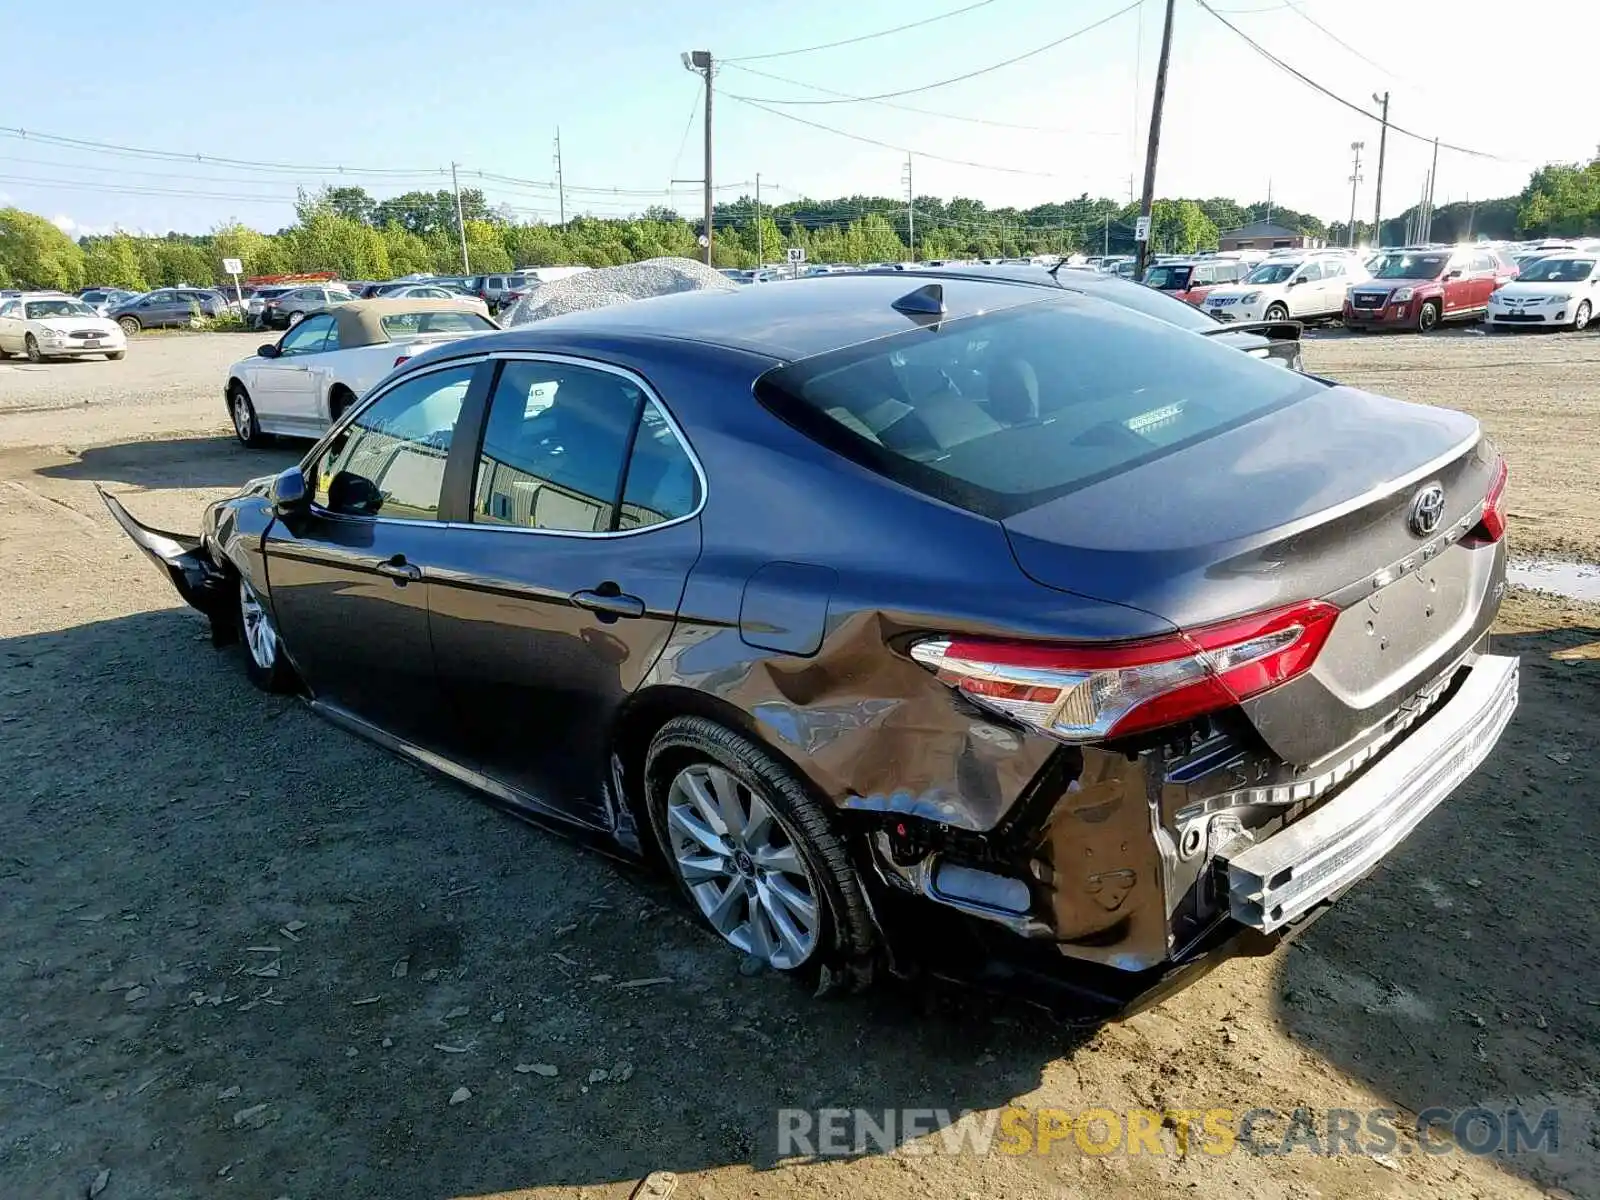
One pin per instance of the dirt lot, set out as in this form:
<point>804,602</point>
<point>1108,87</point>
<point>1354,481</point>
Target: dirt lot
<point>247,955</point>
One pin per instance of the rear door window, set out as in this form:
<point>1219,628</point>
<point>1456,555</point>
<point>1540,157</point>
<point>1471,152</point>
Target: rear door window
<point>1001,412</point>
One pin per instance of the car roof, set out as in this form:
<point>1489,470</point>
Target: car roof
<point>360,323</point>
<point>788,321</point>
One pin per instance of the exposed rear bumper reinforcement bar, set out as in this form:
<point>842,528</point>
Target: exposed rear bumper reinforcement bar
<point>1277,880</point>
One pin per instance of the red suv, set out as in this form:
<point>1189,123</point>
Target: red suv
<point>1190,281</point>
<point>1416,287</point>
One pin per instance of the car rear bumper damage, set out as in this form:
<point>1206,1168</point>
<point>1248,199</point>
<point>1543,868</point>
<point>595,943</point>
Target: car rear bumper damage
<point>1316,857</point>
<point>1117,877</point>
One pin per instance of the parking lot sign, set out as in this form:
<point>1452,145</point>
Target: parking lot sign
<point>796,254</point>
<point>1141,229</point>
<point>232,266</point>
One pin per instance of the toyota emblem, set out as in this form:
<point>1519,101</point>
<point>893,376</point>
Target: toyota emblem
<point>1427,510</point>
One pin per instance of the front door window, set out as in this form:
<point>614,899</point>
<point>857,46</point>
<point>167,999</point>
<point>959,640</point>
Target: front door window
<point>390,460</point>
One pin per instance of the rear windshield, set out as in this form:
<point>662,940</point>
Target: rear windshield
<point>399,325</point>
<point>1168,279</point>
<point>1004,411</point>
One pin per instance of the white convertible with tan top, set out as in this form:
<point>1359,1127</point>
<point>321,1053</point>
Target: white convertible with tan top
<point>300,385</point>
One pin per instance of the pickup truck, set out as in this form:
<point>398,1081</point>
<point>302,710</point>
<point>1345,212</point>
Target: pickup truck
<point>301,384</point>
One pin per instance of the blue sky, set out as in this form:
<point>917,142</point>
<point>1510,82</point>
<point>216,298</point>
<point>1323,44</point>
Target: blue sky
<point>409,86</point>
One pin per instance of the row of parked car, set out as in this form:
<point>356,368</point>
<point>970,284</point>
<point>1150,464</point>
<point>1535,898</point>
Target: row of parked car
<point>1408,287</point>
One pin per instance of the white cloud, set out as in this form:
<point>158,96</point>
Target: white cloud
<point>71,227</point>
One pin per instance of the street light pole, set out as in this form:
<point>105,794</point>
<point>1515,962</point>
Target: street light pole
<point>1355,182</point>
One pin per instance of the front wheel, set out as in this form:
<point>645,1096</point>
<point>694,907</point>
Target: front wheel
<point>1428,316</point>
<point>1580,319</point>
<point>30,347</point>
<point>245,425</point>
<point>264,660</point>
<point>755,854</point>
<point>1276,312</point>
<point>130,325</point>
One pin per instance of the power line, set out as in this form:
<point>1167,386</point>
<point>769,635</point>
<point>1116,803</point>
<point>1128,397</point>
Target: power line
<point>928,87</point>
<point>175,156</point>
<point>857,137</point>
<point>925,112</point>
<point>1337,40</point>
<point>865,37</point>
<point>1313,84</point>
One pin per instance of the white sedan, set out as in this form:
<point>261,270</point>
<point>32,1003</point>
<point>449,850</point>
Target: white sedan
<point>57,327</point>
<point>1561,290</point>
<point>301,384</point>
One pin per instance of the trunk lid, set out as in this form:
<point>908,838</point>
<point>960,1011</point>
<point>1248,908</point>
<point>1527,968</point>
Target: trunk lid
<point>1311,501</point>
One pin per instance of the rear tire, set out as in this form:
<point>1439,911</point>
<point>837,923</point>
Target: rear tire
<point>243,413</point>
<point>130,325</point>
<point>755,875</point>
<point>117,355</point>
<point>30,347</point>
<point>339,401</point>
<point>264,660</point>
<point>1428,316</point>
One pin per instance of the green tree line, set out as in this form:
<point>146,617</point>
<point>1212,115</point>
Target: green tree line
<point>357,236</point>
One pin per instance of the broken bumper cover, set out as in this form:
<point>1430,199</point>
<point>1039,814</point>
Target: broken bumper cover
<point>1278,880</point>
<point>182,557</point>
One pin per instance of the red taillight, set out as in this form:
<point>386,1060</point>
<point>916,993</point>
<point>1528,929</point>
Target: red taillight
<point>1492,526</point>
<point>401,359</point>
<point>1088,693</point>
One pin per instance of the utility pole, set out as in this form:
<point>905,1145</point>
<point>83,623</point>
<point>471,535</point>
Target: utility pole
<point>561,189</point>
<point>700,62</point>
<point>1383,145</point>
<point>1472,212</point>
<point>1154,147</point>
<point>1355,182</point>
<point>461,225</point>
<point>1269,200</point>
<point>1107,251</point>
<point>911,209</point>
<point>1433,180</point>
<point>761,248</point>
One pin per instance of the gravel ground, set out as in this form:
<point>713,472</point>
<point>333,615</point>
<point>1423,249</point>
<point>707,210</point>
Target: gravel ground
<point>249,955</point>
<point>1534,392</point>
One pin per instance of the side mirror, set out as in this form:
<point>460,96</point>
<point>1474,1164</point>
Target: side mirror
<point>268,350</point>
<point>1296,281</point>
<point>289,493</point>
<point>1456,274</point>
<point>353,495</point>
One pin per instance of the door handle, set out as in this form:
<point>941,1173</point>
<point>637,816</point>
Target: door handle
<point>611,605</point>
<point>399,570</point>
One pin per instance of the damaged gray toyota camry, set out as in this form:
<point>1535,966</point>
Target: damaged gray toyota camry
<point>977,629</point>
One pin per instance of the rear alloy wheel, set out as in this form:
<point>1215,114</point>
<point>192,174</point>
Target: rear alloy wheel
<point>1276,312</point>
<point>295,318</point>
<point>130,325</point>
<point>754,853</point>
<point>30,346</point>
<point>264,662</point>
<point>1580,319</point>
<point>245,425</point>
<point>1428,316</point>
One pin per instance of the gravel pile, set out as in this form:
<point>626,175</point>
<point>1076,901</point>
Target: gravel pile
<point>616,285</point>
